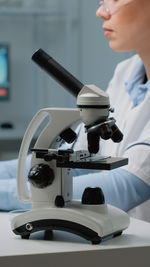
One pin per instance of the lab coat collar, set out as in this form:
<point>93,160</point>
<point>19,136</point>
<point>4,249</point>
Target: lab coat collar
<point>134,85</point>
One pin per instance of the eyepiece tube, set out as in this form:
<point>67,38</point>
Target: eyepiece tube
<point>60,74</point>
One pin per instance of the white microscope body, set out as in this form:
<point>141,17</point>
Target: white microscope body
<point>50,174</point>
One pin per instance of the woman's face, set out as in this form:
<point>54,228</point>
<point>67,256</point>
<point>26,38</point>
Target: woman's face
<point>129,28</point>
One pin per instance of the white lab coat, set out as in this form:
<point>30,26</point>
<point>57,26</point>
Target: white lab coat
<point>135,125</point>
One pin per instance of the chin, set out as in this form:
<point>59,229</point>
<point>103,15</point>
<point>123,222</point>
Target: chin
<point>119,48</point>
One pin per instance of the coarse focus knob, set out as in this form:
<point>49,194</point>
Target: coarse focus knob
<point>41,175</point>
<point>93,196</point>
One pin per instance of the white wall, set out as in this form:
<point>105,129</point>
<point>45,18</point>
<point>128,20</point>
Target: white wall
<point>31,88</point>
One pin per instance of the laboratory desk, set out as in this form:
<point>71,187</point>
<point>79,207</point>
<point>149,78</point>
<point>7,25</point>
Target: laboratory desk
<point>132,248</point>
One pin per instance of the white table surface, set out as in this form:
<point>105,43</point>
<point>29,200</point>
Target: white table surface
<point>132,248</point>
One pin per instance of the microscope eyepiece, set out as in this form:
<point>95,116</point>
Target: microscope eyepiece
<point>59,73</point>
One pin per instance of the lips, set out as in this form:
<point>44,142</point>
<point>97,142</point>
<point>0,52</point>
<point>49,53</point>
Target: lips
<point>107,31</point>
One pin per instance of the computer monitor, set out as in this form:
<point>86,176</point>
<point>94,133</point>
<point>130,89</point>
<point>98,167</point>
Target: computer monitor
<point>4,72</point>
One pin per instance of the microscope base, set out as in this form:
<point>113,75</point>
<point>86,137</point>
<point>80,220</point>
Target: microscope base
<point>92,222</point>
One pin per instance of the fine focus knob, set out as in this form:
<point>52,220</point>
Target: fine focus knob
<point>41,175</point>
<point>93,196</point>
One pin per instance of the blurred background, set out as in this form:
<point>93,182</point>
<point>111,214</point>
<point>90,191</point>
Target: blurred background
<point>69,31</point>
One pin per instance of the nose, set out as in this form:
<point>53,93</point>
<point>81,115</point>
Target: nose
<point>102,13</point>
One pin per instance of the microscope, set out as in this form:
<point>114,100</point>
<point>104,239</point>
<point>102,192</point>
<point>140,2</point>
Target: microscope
<point>50,176</point>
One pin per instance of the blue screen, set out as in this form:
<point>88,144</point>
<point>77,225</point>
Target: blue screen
<point>4,73</point>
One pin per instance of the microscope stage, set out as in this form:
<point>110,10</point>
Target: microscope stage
<point>106,164</point>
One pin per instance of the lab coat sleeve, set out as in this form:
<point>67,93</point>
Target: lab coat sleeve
<point>121,188</point>
<point>138,154</point>
<point>8,185</point>
<point>8,169</point>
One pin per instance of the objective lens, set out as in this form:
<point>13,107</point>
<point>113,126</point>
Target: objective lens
<point>117,135</point>
<point>93,142</point>
<point>105,132</point>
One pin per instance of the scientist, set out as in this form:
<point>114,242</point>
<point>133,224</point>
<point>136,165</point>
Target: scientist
<point>127,28</point>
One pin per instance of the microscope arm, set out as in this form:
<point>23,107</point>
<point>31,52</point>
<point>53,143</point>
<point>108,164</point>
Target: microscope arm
<point>64,118</point>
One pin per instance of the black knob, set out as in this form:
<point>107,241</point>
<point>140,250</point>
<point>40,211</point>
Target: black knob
<point>68,135</point>
<point>41,175</point>
<point>59,201</point>
<point>93,196</point>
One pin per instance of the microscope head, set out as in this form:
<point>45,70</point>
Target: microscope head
<point>94,105</point>
<point>94,108</point>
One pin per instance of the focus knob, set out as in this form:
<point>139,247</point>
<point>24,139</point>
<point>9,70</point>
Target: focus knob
<point>93,196</point>
<point>41,175</point>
